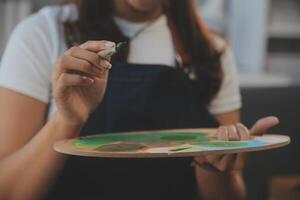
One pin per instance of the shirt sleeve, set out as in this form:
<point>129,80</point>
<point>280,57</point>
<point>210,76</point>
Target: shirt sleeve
<point>228,98</point>
<point>26,65</point>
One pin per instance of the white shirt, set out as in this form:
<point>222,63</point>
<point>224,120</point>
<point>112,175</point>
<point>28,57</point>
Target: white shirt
<point>38,41</point>
<point>154,45</point>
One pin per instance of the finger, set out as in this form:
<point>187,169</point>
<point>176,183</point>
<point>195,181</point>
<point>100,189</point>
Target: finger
<point>262,125</point>
<point>213,159</point>
<point>105,64</point>
<point>97,46</point>
<point>227,162</point>
<point>243,132</point>
<point>232,133</point>
<point>83,54</point>
<point>222,133</point>
<point>208,159</point>
<point>240,161</point>
<point>74,64</point>
<point>66,80</point>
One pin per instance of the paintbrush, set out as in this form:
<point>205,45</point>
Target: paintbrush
<point>111,51</point>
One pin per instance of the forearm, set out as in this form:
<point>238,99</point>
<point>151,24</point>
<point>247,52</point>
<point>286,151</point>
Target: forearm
<point>26,173</point>
<point>220,185</point>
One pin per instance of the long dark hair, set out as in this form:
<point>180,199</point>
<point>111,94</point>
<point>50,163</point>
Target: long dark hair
<point>96,22</point>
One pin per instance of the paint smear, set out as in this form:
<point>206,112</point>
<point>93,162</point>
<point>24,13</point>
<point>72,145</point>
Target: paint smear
<point>223,144</point>
<point>149,137</point>
<point>179,149</point>
<point>179,138</point>
<point>135,142</point>
<point>120,147</point>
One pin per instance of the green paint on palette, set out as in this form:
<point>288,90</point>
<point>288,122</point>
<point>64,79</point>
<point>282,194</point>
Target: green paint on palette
<point>179,138</point>
<point>120,147</point>
<point>149,137</point>
<point>79,144</point>
<point>179,149</point>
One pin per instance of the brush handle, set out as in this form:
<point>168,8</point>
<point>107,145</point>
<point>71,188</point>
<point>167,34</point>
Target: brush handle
<point>111,51</point>
<point>107,52</point>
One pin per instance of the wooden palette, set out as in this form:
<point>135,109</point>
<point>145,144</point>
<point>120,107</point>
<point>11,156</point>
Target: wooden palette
<point>164,143</point>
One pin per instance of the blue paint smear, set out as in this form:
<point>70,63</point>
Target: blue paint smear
<point>227,145</point>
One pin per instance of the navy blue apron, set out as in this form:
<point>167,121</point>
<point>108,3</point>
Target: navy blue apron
<point>138,97</point>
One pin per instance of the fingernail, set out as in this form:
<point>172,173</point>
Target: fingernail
<point>106,64</point>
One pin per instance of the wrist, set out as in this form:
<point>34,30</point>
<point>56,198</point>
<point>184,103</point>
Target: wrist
<point>68,121</point>
<point>67,128</point>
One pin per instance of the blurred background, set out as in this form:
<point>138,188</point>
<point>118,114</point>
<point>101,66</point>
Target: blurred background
<point>265,37</point>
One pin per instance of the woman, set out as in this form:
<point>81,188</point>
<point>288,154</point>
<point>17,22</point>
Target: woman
<point>174,73</point>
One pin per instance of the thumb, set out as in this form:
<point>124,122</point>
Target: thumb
<point>263,125</point>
